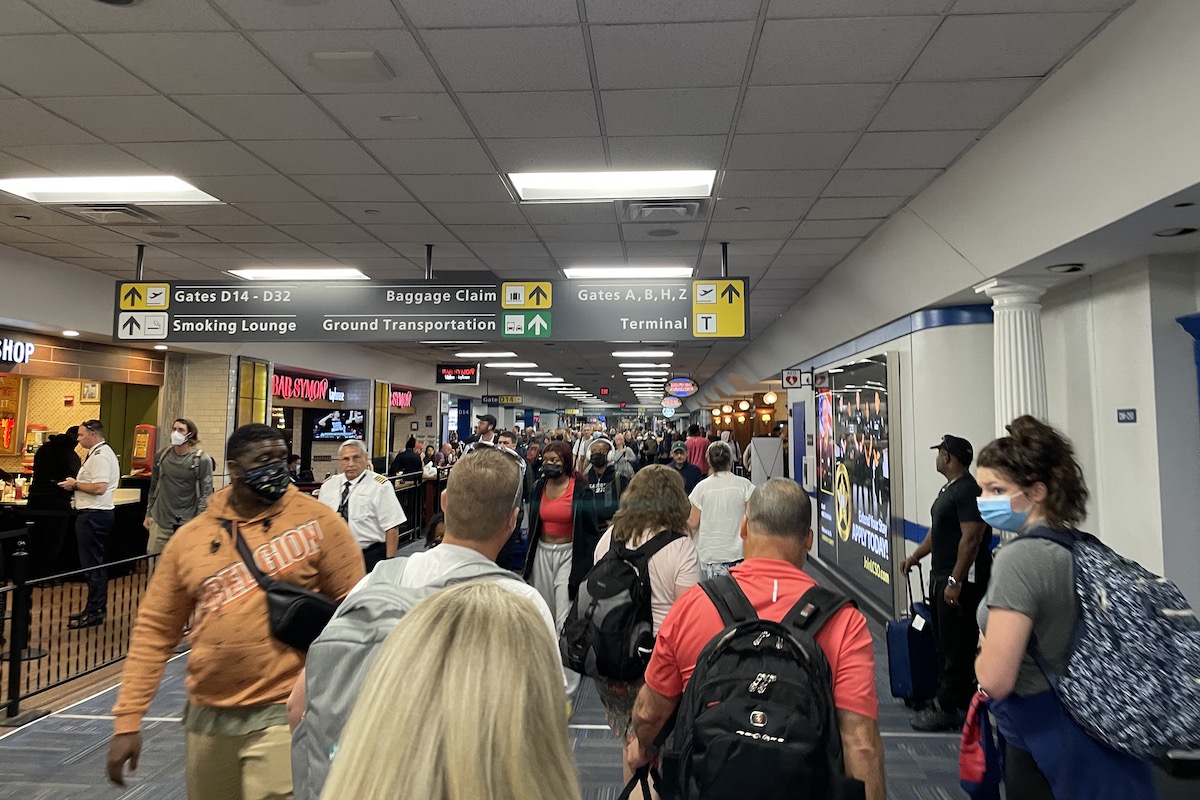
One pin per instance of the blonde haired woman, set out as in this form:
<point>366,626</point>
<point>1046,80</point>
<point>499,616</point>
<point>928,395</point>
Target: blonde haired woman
<point>435,688</point>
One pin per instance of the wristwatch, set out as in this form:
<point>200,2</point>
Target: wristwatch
<point>953,581</point>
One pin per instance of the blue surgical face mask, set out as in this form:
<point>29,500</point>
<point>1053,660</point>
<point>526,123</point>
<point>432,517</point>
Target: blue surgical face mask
<point>998,512</point>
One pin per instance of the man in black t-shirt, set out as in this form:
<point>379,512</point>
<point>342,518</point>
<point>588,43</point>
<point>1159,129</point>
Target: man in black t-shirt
<point>962,563</point>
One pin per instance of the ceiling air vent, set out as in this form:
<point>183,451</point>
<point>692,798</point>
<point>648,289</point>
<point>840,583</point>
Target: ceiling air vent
<point>110,213</point>
<point>661,211</point>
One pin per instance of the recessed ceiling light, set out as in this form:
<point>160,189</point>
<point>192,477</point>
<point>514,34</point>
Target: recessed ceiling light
<point>160,347</point>
<point>662,233</point>
<point>485,354</point>
<point>1169,232</point>
<point>1065,268</point>
<point>146,189</point>
<point>545,380</point>
<point>299,274</point>
<point>352,66</point>
<point>510,364</point>
<point>70,333</point>
<point>642,185</point>
<point>636,365</point>
<point>520,374</point>
<point>643,354</point>
<point>630,271</point>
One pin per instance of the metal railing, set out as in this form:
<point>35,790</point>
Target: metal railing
<point>43,653</point>
<point>420,498</point>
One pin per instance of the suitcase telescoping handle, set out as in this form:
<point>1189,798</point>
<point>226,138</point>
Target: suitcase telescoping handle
<point>921,580</point>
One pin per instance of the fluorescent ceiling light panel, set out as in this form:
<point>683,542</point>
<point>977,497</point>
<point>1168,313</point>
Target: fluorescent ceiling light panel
<point>630,271</point>
<point>484,354</point>
<point>637,365</point>
<point>157,189</point>
<point>643,354</point>
<point>451,341</point>
<point>299,274</point>
<point>608,185</point>
<point>649,373</point>
<point>522,374</point>
<point>511,364</point>
<point>545,380</point>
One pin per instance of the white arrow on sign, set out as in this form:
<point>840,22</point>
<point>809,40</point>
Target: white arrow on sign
<point>538,325</point>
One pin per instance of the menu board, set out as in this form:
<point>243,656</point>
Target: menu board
<point>854,499</point>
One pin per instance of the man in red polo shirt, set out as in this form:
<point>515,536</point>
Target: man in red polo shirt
<point>777,535</point>
<point>697,446</point>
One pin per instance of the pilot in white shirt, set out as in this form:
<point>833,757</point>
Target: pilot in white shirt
<point>367,501</point>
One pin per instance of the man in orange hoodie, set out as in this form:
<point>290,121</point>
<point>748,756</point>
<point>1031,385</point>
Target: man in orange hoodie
<point>238,675</point>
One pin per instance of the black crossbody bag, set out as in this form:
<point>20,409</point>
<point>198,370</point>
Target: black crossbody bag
<point>296,615</point>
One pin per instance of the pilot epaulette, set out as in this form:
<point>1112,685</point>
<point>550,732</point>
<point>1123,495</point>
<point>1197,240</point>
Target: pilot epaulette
<point>380,479</point>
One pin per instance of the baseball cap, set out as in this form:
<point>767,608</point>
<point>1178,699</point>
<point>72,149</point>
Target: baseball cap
<point>679,446</point>
<point>488,418</point>
<point>958,447</point>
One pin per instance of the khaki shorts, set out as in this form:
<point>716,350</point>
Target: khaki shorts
<point>253,766</point>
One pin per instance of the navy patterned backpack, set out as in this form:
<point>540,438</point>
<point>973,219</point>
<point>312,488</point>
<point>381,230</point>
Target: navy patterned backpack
<point>1133,676</point>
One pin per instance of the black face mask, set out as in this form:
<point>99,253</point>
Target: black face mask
<point>269,481</point>
<point>552,470</point>
<point>598,460</point>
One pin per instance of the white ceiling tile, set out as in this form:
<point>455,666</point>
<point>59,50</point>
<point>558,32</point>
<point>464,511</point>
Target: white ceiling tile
<point>82,159</point>
<point>13,167</point>
<point>431,156</point>
<point>29,215</point>
<point>205,215</point>
<point>787,9</point>
<point>293,53</point>
<point>411,234</point>
<point>832,107</point>
<point>1002,45</point>
<point>281,250</point>
<point>760,208</point>
<point>127,251</point>
<point>575,249</point>
<point>836,228</point>
<point>910,149</point>
<point>11,235</point>
<point>666,152</point>
<point>534,114</point>
<point>663,249</point>
<point>240,234</point>
<point>488,250</point>
<point>86,234</point>
<point>293,213</point>
<point>198,159</point>
<point>1015,6</point>
<point>58,250</point>
<point>356,250</point>
<point>594,232</point>
<point>494,233</point>
<point>394,267</point>
<point>670,56</point>
<point>161,15</point>
<point>799,264</point>
<point>187,270</point>
<point>880,182</point>
<point>548,155</point>
<point>354,188</point>
<point>316,157</point>
<point>945,105</point>
<point>418,115</point>
<point>657,112</point>
<point>651,232</point>
<point>774,183</point>
<point>263,116</point>
<point>256,15</point>
<point>386,213</point>
<point>473,14</point>
<point>710,263</point>
<point>477,213</point>
<point>61,66</point>
<point>751,247</point>
<point>194,63</point>
<point>253,189</point>
<point>625,11</point>
<point>855,207</point>
<point>856,50</point>
<point>522,266</point>
<point>457,188</point>
<point>327,233</point>
<point>235,260</point>
<point>729,231</point>
<point>5,93</point>
<point>25,123</point>
<point>510,59</point>
<point>790,150</point>
<point>570,213</point>
<point>442,250</point>
<point>132,119</point>
<point>21,17</point>
<point>822,247</point>
<point>145,233</point>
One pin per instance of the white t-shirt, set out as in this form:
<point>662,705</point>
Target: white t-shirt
<point>100,466</point>
<point>674,565</point>
<point>721,498</point>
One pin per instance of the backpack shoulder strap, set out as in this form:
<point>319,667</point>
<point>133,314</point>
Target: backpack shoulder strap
<point>653,546</point>
<point>390,570</point>
<point>1066,538</point>
<point>814,608</point>
<point>730,600</point>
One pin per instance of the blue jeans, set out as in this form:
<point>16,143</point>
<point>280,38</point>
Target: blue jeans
<point>91,537</point>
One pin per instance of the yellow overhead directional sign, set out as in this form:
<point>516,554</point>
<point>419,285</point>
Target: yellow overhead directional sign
<point>719,307</point>
<point>527,295</point>
<point>145,296</point>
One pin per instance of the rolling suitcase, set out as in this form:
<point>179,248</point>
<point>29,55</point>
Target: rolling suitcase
<point>912,651</point>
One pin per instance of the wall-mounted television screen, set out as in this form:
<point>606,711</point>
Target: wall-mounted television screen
<point>339,424</point>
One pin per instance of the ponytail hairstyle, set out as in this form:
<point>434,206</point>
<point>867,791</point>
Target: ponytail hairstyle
<point>1034,452</point>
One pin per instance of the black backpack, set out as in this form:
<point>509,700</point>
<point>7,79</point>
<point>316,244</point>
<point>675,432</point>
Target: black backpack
<point>757,717</point>
<point>609,632</point>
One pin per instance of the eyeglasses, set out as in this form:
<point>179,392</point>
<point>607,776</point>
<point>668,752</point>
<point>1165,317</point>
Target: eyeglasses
<point>475,446</point>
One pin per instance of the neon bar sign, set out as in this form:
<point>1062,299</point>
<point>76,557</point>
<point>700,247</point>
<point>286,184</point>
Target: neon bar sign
<point>287,387</point>
<point>401,399</point>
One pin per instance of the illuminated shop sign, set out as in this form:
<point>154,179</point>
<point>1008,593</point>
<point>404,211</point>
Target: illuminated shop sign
<point>458,373</point>
<point>288,387</point>
<point>15,351</point>
<point>400,400</point>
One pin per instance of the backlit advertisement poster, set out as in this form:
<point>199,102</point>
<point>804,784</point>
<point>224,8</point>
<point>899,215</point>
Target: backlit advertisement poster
<point>854,474</point>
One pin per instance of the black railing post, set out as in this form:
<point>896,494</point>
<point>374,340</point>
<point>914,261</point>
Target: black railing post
<point>18,648</point>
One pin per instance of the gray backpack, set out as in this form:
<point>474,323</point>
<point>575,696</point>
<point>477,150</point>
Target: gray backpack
<point>339,659</point>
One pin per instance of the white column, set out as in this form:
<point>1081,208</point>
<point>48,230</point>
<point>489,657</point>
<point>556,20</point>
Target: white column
<point>1019,362</point>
